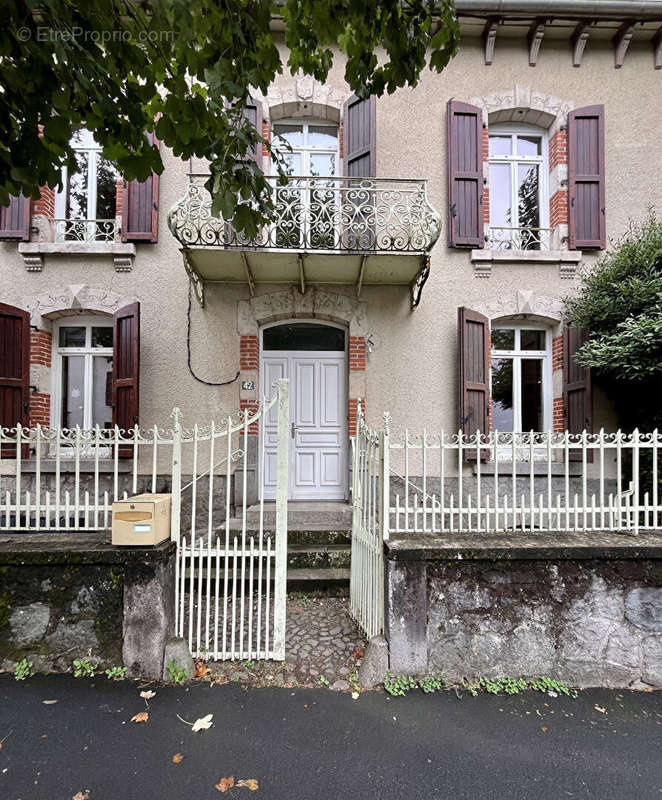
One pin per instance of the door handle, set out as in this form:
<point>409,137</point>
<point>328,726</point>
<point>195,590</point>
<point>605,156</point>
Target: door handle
<point>294,430</point>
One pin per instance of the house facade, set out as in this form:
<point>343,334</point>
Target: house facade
<point>418,262</point>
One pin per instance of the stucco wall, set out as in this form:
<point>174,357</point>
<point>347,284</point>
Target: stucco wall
<point>411,368</point>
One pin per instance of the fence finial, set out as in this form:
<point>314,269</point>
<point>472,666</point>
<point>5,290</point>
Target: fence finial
<point>176,414</point>
<point>387,421</point>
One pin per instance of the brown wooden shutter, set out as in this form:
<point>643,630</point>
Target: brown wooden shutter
<point>586,178</point>
<point>253,113</point>
<point>465,175</point>
<point>359,138</point>
<point>14,372</point>
<point>126,370</point>
<point>140,207</point>
<point>473,362</point>
<point>576,388</point>
<point>15,219</point>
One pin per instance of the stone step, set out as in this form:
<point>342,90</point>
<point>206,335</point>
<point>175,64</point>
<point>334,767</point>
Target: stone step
<point>317,575</point>
<point>331,515</point>
<point>323,556</point>
<point>305,535</point>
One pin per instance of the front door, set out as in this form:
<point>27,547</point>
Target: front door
<point>313,357</point>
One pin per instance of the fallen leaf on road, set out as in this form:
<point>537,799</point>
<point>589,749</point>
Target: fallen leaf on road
<point>600,709</point>
<point>148,695</point>
<point>249,783</point>
<point>48,702</point>
<point>81,795</point>
<point>543,729</point>
<point>142,716</point>
<point>201,668</point>
<point>355,695</point>
<point>203,723</point>
<point>177,758</point>
<point>225,783</point>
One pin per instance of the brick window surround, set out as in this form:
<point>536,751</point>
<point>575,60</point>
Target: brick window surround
<point>41,348</point>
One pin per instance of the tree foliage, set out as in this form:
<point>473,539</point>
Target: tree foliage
<point>620,303</point>
<point>185,69</point>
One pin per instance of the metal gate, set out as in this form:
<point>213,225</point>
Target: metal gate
<point>231,572</point>
<point>369,526</point>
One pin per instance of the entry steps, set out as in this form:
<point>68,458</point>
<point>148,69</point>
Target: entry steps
<point>318,540</point>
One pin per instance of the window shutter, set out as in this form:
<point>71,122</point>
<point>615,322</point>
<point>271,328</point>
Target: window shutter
<point>465,175</point>
<point>473,362</point>
<point>126,370</point>
<point>576,388</point>
<point>253,113</point>
<point>359,132</point>
<point>140,207</point>
<point>586,178</point>
<point>14,372</point>
<point>15,219</point>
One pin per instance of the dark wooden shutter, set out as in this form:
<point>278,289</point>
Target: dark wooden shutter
<point>576,388</point>
<point>14,372</point>
<point>15,219</point>
<point>126,370</point>
<point>465,175</point>
<point>586,178</point>
<point>473,362</point>
<point>140,207</point>
<point>359,138</point>
<point>253,113</point>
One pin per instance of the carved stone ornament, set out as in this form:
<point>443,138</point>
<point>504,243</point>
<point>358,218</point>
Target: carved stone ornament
<point>76,297</point>
<point>521,301</point>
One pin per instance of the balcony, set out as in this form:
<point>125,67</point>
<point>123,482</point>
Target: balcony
<point>519,238</point>
<point>84,230</point>
<point>325,230</point>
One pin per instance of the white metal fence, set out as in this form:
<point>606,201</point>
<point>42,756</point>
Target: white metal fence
<point>231,579</point>
<point>369,515</point>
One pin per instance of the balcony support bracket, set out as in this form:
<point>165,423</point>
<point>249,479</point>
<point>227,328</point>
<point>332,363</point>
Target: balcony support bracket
<point>196,281</point>
<point>302,274</point>
<point>249,274</point>
<point>419,282</point>
<point>359,280</point>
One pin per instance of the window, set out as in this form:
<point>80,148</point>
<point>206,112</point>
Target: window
<point>83,372</point>
<point>519,205</point>
<point>521,378</point>
<point>308,208</point>
<point>85,208</point>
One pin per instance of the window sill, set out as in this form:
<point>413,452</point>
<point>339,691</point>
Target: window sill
<point>33,252</point>
<point>566,260</point>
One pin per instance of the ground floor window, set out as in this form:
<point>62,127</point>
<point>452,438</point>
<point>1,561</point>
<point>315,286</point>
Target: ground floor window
<point>83,372</point>
<point>521,377</point>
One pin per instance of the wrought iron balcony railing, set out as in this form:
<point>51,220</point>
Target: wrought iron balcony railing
<point>84,230</point>
<point>313,214</point>
<point>519,238</point>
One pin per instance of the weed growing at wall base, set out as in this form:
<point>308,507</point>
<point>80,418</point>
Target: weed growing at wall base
<point>23,669</point>
<point>177,674</point>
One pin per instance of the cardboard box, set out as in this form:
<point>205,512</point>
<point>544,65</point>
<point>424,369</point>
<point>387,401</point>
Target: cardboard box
<point>142,520</point>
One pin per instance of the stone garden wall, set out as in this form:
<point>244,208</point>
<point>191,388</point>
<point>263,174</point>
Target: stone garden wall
<point>588,613</point>
<point>67,596</point>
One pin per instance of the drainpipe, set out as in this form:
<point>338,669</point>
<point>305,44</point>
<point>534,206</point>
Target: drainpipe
<point>630,9</point>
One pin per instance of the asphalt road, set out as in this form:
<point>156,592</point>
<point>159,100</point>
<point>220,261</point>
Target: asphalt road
<point>308,744</point>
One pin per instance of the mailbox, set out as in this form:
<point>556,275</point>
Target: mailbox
<point>141,520</point>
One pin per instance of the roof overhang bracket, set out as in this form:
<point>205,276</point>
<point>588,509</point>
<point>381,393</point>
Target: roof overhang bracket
<point>621,40</point>
<point>302,274</point>
<point>196,281</point>
<point>249,274</point>
<point>657,49</point>
<point>489,38</point>
<point>578,41</point>
<point>359,280</point>
<point>419,282</point>
<point>534,39</point>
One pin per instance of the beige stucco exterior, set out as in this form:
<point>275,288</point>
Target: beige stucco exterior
<point>412,361</point>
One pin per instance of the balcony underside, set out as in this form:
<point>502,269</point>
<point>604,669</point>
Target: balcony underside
<point>260,266</point>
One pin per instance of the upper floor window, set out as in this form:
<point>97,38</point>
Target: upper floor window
<point>314,147</point>
<point>85,209</point>
<point>519,202</point>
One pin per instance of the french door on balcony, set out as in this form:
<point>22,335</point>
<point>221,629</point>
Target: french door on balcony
<point>308,207</point>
